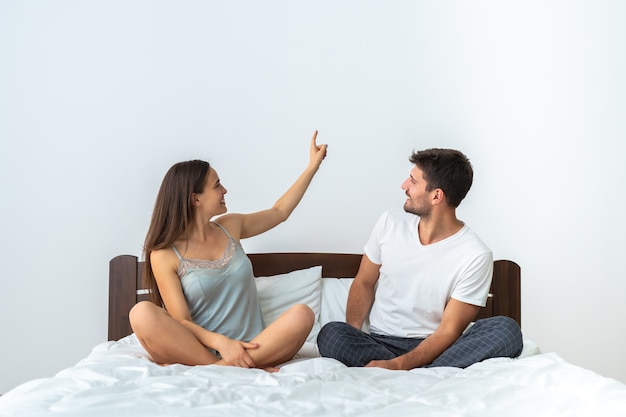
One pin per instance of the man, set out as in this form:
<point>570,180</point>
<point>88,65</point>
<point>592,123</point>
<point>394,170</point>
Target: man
<point>423,278</point>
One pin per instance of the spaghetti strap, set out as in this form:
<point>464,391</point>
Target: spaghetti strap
<point>225,231</point>
<point>177,254</point>
<point>230,238</point>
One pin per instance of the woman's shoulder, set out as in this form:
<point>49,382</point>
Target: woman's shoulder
<point>231,224</point>
<point>164,263</point>
<point>163,257</point>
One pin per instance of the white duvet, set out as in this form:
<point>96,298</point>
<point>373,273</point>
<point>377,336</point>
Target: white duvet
<point>117,379</point>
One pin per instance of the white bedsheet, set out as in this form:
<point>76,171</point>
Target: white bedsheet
<point>117,379</point>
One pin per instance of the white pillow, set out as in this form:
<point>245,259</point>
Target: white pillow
<point>334,300</point>
<point>279,292</point>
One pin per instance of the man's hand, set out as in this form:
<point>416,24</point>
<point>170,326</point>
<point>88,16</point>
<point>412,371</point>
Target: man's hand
<point>387,364</point>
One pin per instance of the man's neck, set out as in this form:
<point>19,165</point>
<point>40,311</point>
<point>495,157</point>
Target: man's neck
<point>435,229</point>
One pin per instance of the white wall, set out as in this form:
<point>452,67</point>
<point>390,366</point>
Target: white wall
<point>98,99</point>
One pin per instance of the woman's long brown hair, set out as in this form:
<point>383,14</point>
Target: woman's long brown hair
<point>173,211</point>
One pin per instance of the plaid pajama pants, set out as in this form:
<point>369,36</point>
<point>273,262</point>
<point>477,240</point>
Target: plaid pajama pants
<point>488,338</point>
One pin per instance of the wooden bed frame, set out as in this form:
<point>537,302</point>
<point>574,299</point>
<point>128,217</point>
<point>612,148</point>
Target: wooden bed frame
<point>126,289</point>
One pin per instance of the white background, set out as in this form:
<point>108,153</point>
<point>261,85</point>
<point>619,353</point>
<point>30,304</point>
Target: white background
<point>99,99</point>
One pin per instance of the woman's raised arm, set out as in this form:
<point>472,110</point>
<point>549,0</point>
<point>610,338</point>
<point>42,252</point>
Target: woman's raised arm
<point>254,224</point>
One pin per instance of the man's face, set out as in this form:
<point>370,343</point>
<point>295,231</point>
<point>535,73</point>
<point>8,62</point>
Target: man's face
<point>418,199</point>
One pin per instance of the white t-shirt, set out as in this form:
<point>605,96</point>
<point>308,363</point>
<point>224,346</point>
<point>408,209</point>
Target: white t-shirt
<point>416,281</point>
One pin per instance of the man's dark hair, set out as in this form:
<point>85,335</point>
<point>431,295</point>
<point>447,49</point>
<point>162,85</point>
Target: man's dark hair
<point>447,169</point>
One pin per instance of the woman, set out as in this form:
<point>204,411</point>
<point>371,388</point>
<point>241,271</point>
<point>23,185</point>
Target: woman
<point>198,271</point>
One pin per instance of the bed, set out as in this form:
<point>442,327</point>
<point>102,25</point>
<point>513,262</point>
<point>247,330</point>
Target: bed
<point>118,379</point>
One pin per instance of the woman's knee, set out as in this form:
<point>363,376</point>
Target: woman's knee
<point>143,315</point>
<point>304,312</point>
<point>299,319</point>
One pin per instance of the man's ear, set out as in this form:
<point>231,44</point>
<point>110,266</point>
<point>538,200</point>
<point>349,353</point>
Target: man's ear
<point>438,196</point>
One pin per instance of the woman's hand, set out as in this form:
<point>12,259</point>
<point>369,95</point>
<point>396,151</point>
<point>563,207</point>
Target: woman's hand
<point>235,353</point>
<point>242,226</point>
<point>317,152</point>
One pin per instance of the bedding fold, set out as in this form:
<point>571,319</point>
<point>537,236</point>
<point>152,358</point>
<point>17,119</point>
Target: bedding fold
<point>117,379</point>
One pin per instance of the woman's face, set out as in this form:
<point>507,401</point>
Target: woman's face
<point>211,198</point>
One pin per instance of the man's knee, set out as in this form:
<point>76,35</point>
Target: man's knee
<point>512,335</point>
<point>329,329</point>
<point>507,324</point>
<point>328,335</point>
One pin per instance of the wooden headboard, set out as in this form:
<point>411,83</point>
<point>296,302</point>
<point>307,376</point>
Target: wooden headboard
<point>126,289</point>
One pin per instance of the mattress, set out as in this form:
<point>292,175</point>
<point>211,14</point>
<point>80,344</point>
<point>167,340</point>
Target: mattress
<point>118,379</point>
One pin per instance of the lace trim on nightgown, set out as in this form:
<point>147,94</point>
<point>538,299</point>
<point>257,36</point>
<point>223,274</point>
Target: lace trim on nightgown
<point>187,264</point>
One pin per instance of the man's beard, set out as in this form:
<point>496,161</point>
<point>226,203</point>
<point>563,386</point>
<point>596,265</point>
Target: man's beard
<point>421,211</point>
